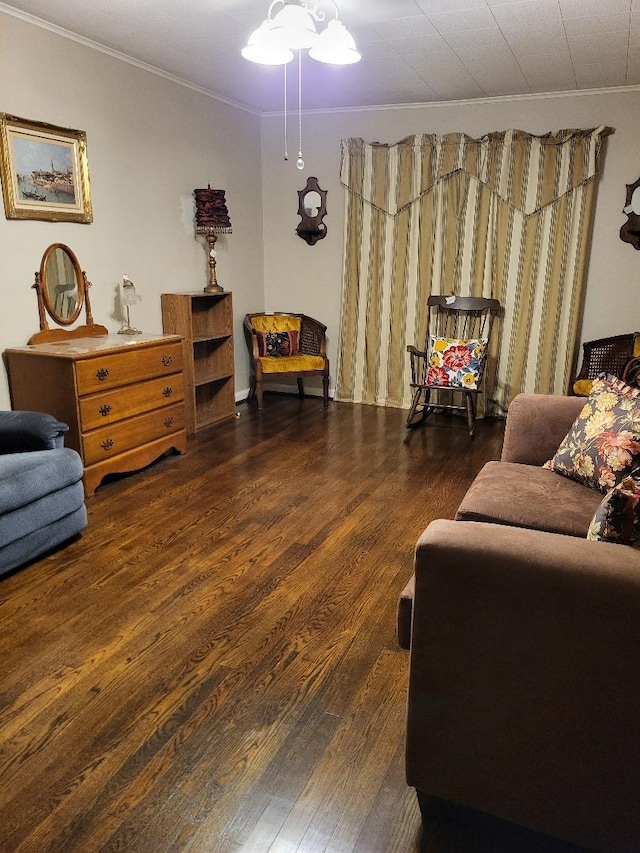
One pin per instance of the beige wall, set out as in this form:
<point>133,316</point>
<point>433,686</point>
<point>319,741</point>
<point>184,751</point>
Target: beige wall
<point>150,143</point>
<point>308,278</point>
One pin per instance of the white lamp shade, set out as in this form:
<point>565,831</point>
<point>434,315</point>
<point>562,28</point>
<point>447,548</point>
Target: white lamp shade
<point>294,28</point>
<point>265,48</point>
<point>335,45</point>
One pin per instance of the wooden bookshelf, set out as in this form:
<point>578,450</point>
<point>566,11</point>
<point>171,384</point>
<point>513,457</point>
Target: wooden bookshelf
<point>205,323</point>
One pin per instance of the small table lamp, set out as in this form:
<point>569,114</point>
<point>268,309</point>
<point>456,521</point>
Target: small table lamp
<point>212,218</point>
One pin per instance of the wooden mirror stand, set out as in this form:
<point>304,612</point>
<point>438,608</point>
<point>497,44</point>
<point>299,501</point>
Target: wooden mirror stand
<point>62,289</point>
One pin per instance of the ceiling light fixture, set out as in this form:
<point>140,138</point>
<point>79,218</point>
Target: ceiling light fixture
<point>293,29</point>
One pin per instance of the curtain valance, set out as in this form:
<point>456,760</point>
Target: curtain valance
<point>526,171</point>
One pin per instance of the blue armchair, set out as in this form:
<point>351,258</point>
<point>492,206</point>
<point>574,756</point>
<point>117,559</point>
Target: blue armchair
<point>41,489</point>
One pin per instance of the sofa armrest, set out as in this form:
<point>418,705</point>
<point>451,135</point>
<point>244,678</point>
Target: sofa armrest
<point>536,424</point>
<point>21,432</point>
<point>524,693</point>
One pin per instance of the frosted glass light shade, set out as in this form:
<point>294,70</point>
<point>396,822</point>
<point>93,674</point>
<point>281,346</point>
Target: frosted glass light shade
<point>263,47</point>
<point>293,27</point>
<point>335,46</point>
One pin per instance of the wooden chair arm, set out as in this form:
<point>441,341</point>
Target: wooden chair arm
<point>418,365</point>
<point>416,352</point>
<point>252,338</point>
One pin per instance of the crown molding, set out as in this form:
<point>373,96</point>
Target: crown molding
<point>494,99</point>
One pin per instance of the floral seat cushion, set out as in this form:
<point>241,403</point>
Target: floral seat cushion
<point>291,363</point>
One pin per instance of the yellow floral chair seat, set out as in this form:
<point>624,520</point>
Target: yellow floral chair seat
<point>291,364</point>
<point>286,344</point>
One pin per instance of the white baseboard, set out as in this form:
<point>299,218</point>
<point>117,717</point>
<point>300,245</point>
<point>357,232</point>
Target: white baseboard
<point>242,395</point>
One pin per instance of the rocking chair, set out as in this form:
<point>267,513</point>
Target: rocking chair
<point>454,357</point>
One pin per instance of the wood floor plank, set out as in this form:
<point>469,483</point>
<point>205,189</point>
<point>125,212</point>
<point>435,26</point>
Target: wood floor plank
<point>342,788</point>
<point>393,822</point>
<point>212,666</point>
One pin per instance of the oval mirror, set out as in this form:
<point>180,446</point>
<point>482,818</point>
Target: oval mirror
<point>311,203</point>
<point>62,284</point>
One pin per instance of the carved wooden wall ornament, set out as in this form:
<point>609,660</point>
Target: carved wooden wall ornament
<point>630,231</point>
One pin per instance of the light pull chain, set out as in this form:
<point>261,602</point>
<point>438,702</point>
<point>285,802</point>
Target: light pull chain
<point>286,149</point>
<point>300,161</point>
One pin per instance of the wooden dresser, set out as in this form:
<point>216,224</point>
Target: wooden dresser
<point>122,396</point>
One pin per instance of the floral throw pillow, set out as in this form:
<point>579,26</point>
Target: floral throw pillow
<point>278,343</point>
<point>456,363</point>
<point>617,519</point>
<point>603,445</point>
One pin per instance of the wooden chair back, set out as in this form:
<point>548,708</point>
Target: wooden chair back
<point>461,317</point>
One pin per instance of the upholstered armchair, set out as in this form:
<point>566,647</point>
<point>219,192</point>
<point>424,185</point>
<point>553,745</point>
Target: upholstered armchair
<point>283,344</point>
<point>605,355</point>
<point>41,489</point>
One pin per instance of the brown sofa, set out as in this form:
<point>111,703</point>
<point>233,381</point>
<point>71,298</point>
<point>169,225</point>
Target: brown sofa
<point>524,689</point>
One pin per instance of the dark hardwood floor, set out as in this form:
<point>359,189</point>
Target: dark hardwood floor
<point>212,666</point>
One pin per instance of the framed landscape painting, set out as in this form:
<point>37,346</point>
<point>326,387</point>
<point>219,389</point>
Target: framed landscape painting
<point>44,170</point>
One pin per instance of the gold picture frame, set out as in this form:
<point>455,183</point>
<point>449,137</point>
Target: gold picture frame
<point>45,174</point>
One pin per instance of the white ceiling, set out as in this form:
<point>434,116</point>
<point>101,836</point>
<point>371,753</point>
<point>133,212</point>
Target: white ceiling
<point>414,51</point>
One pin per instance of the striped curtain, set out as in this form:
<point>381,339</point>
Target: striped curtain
<point>506,216</point>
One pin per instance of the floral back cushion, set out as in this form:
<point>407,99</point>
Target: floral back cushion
<point>455,363</point>
<point>603,445</point>
<point>617,519</point>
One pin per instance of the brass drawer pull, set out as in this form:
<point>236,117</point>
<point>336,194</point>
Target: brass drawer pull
<point>107,444</point>
<point>168,421</point>
<point>102,374</point>
<point>168,391</point>
<point>167,359</point>
<point>105,410</point>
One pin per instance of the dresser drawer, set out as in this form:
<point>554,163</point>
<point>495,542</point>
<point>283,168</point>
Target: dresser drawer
<point>127,367</point>
<point>98,410</point>
<point>124,435</point>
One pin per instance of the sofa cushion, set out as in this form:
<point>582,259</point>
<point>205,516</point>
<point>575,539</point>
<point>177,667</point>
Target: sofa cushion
<point>536,425</point>
<point>27,477</point>
<point>28,547</point>
<point>456,363</point>
<point>527,496</point>
<point>42,513</point>
<point>603,445</point>
<point>617,519</point>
